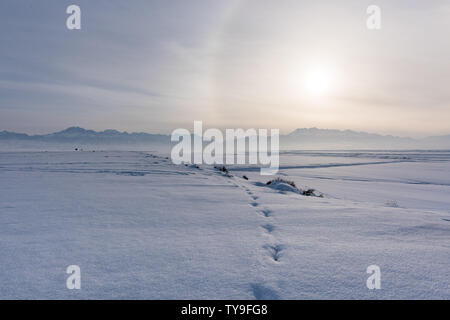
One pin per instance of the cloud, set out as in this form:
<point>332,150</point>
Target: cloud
<point>162,64</point>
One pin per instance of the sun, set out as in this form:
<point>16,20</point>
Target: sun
<point>317,81</point>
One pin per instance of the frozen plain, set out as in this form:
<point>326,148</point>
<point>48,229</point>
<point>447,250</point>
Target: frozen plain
<point>141,227</point>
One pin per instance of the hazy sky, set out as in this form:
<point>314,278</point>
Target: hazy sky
<point>158,65</point>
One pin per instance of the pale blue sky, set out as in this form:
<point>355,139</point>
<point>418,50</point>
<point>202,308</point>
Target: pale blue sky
<point>157,65</point>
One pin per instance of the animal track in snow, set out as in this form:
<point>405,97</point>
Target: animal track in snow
<point>262,292</point>
<point>266,212</point>
<point>268,227</point>
<point>275,251</point>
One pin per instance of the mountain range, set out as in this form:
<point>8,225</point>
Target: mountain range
<point>305,138</point>
<point>80,135</point>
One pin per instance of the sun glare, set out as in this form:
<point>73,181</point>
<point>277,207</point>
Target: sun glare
<point>317,82</point>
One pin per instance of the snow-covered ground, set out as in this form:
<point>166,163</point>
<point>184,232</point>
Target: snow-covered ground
<point>141,227</point>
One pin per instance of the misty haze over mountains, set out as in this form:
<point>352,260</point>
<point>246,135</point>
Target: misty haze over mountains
<point>305,138</point>
<point>314,138</point>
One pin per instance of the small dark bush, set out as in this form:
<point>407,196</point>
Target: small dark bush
<point>311,193</point>
<point>308,192</point>
<point>223,169</point>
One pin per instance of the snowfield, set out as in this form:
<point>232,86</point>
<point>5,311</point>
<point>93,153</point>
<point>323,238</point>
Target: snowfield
<point>141,227</point>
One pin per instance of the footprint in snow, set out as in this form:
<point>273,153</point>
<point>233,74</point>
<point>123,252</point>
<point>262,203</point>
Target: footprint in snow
<point>266,212</point>
<point>268,227</point>
<point>274,251</point>
<point>262,292</point>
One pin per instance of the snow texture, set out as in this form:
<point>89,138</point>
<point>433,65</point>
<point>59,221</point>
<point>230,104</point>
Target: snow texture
<point>141,227</point>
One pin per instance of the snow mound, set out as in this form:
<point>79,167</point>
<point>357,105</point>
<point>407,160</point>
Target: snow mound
<point>283,186</point>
